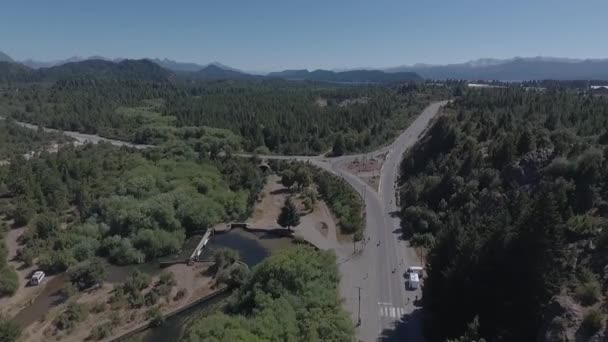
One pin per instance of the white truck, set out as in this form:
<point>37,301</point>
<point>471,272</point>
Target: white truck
<point>414,274</point>
<point>413,281</point>
<point>416,269</point>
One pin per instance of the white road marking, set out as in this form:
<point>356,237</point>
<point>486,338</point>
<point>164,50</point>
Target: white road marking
<point>390,311</point>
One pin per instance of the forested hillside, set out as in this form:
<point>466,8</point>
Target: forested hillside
<point>508,190</point>
<point>132,70</point>
<point>140,102</point>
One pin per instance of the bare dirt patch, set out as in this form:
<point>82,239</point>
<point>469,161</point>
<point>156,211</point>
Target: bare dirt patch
<point>366,168</point>
<point>321,102</point>
<point>267,210</point>
<point>317,226</point>
<point>349,102</point>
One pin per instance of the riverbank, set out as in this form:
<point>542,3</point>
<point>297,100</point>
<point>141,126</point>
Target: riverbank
<point>108,317</point>
<point>24,294</point>
<point>39,321</point>
<point>36,308</point>
<point>224,291</point>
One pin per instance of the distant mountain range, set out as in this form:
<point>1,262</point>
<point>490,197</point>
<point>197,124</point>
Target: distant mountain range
<point>352,76</point>
<point>159,70</point>
<point>47,64</point>
<point>5,58</point>
<point>513,69</point>
<point>94,68</point>
<point>189,67</point>
<point>221,72</point>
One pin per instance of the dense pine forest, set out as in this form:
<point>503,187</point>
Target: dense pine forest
<point>140,102</point>
<point>508,191</point>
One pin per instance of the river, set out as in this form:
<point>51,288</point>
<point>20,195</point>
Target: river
<point>252,249</point>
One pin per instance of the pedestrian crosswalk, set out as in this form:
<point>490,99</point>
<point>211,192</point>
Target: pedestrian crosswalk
<point>387,310</point>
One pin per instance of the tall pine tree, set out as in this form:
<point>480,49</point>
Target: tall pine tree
<point>289,216</point>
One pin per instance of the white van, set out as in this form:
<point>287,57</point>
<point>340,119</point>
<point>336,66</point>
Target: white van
<point>413,281</point>
<point>36,278</point>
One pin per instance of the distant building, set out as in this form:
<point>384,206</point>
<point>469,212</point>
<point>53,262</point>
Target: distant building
<point>599,89</point>
<point>535,89</point>
<point>483,85</point>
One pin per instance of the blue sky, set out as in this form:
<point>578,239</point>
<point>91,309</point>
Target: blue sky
<point>268,35</point>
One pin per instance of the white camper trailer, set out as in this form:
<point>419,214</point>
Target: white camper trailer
<point>37,278</point>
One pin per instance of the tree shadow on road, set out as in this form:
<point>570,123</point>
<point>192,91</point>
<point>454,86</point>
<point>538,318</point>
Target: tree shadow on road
<point>408,328</point>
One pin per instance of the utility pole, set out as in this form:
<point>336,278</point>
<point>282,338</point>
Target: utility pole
<point>359,320</point>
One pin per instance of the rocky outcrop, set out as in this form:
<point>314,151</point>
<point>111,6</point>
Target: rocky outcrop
<point>564,323</point>
<point>527,169</point>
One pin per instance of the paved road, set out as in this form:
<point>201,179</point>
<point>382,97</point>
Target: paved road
<point>387,308</point>
<point>82,137</point>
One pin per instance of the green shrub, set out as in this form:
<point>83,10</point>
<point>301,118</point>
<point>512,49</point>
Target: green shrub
<point>71,316</point>
<point>233,276</point>
<point>135,300</point>
<point>98,307</point>
<point>181,293</point>
<point>100,332</point>
<point>137,281</point>
<point>152,297</point>
<point>9,281</point>
<point>115,319</point>
<point>87,274</point>
<point>588,293</point>
<point>155,316</point>
<point>167,278</point>
<point>9,329</point>
<point>223,258</point>
<point>592,322</point>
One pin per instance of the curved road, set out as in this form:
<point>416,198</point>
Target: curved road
<point>387,308</point>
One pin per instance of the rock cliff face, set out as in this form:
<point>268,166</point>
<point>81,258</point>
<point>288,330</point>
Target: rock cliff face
<point>564,323</point>
<point>527,169</point>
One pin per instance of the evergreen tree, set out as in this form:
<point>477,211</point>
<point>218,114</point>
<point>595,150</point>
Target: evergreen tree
<point>289,216</point>
<point>338,148</point>
<point>287,178</point>
<point>303,177</point>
